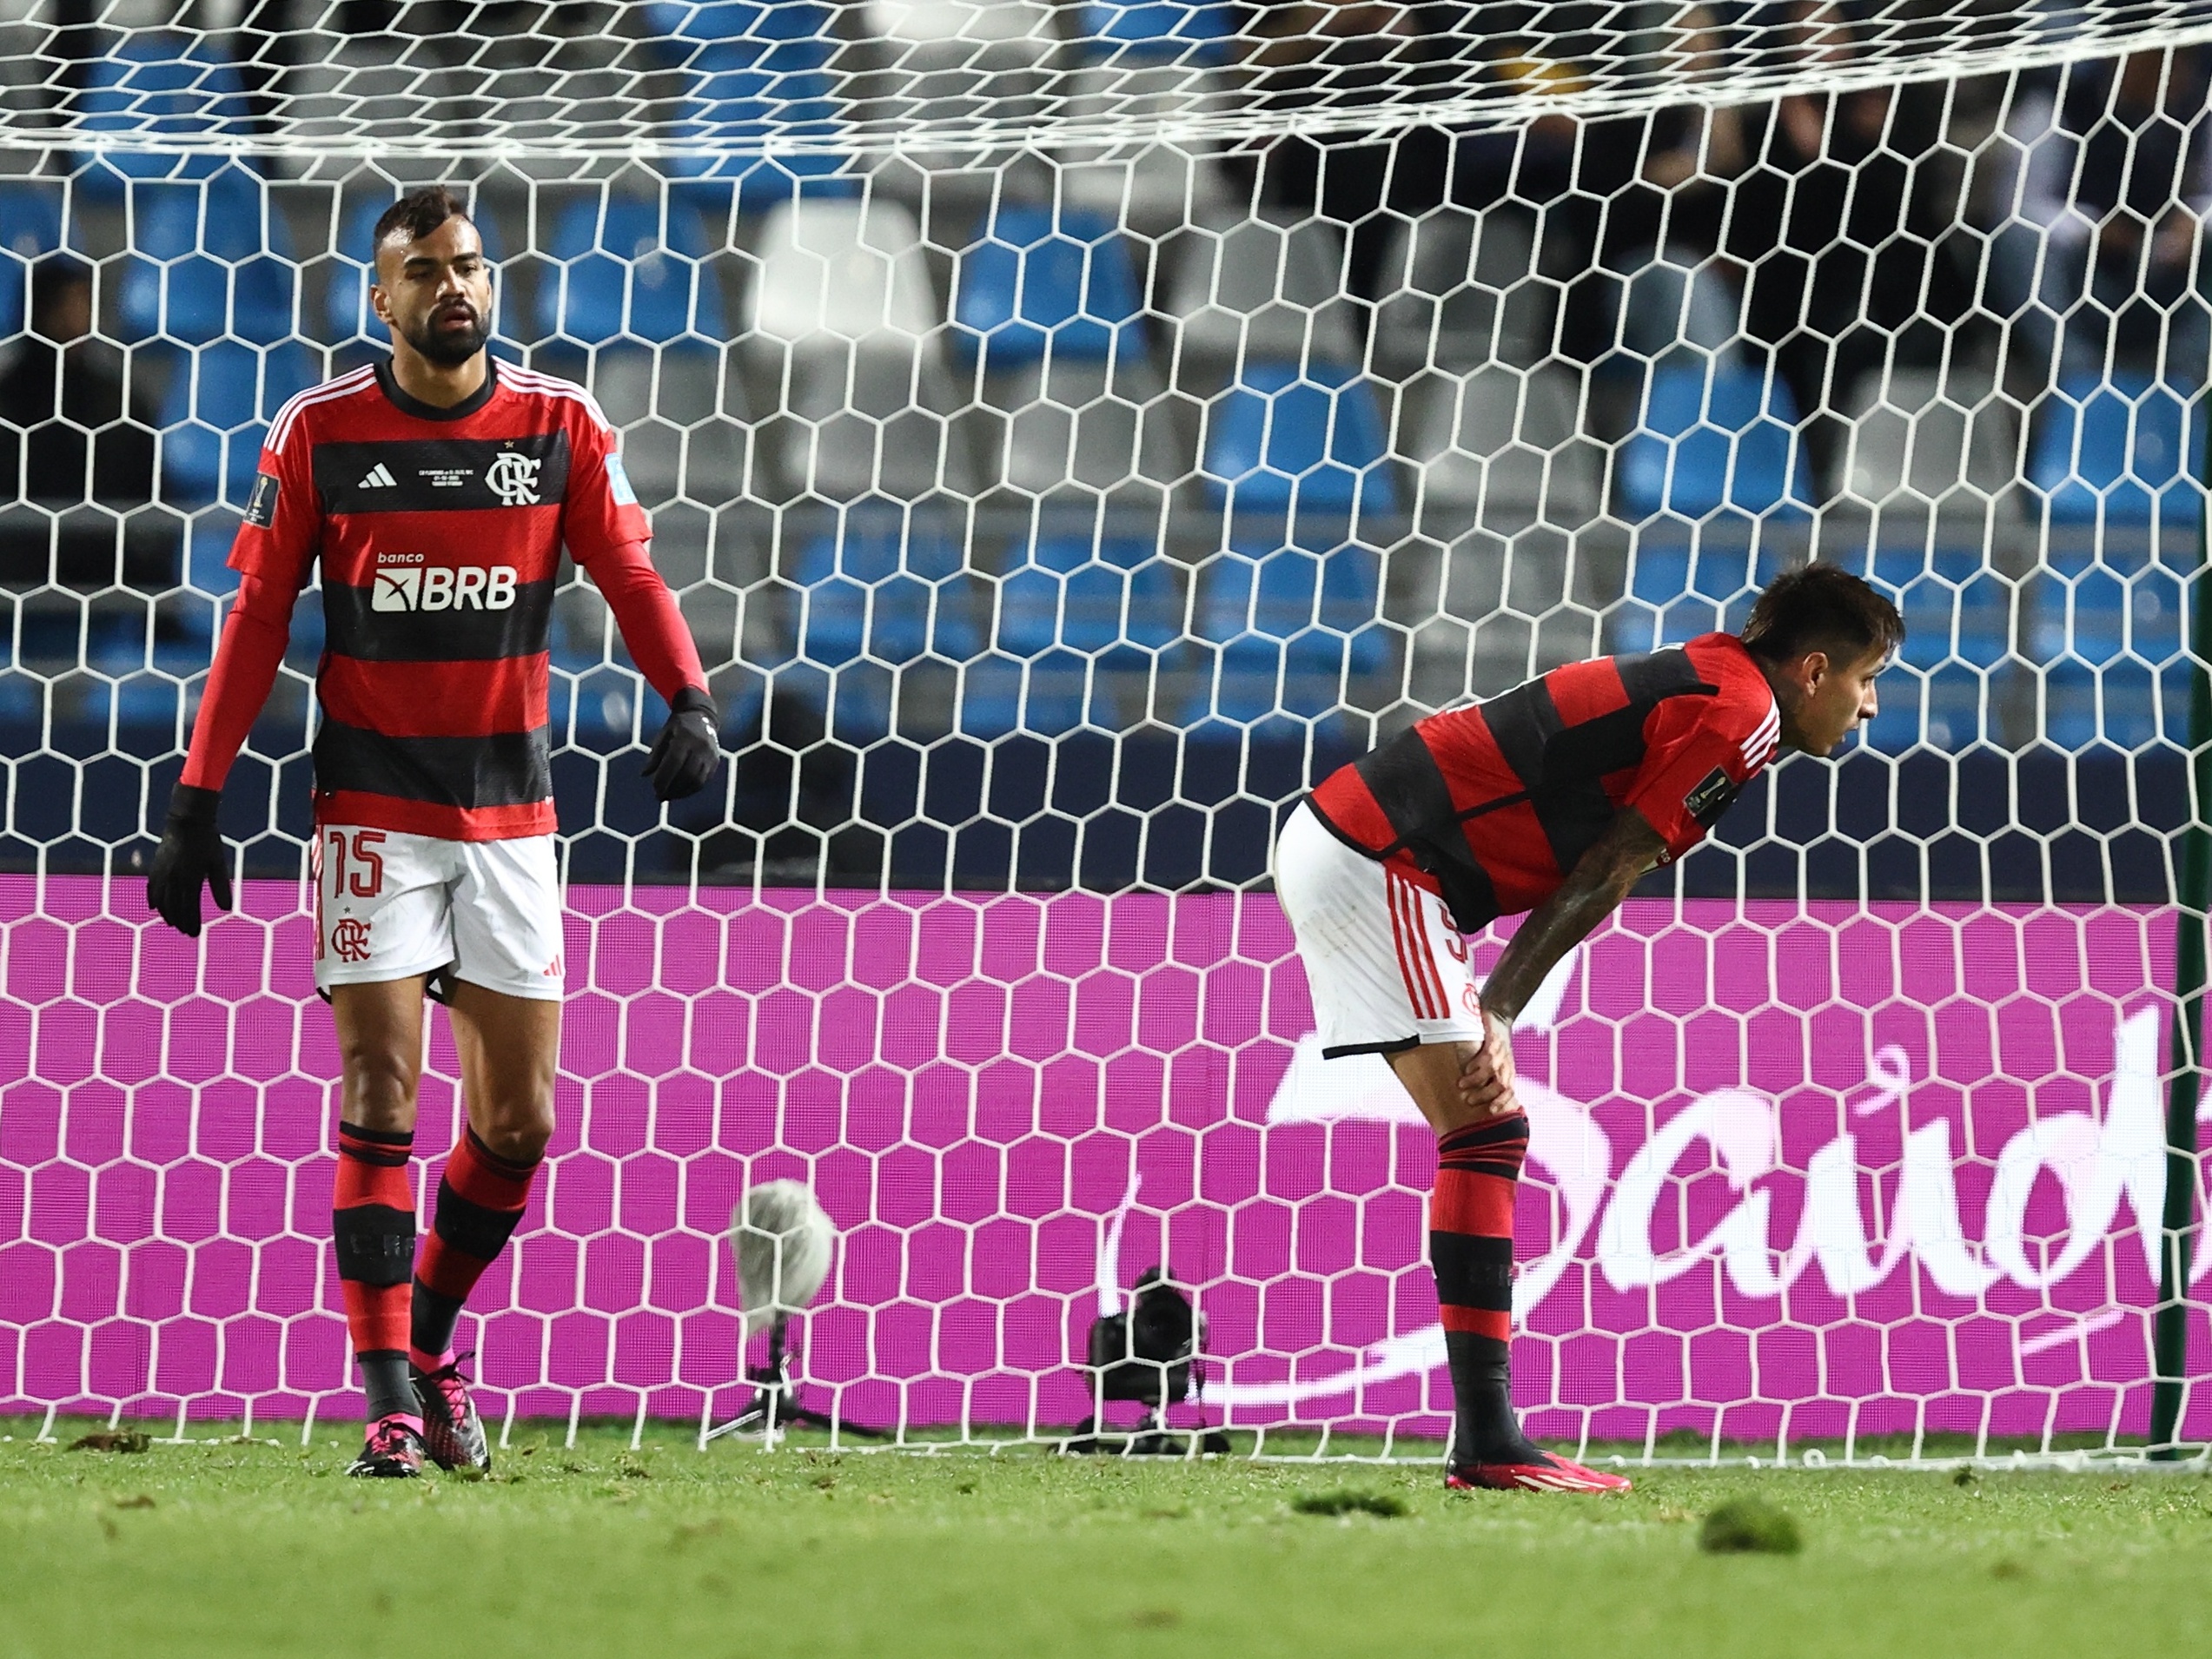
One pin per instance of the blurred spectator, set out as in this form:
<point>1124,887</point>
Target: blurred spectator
<point>1664,179</point>
<point>73,447</point>
<point>1845,218</point>
<point>2114,185</point>
<point>1396,52</point>
<point>1299,51</point>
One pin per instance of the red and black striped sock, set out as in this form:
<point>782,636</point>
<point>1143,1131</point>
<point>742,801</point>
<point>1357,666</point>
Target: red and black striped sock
<point>1471,1249</point>
<point>481,1199</point>
<point>371,1223</point>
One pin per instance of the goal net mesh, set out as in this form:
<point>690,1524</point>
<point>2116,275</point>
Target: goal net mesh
<point>1073,430</point>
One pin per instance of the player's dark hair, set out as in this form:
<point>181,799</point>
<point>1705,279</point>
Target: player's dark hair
<point>418,213</point>
<point>1821,607</point>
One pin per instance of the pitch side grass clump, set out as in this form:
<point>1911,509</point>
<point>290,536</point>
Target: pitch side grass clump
<point>237,1549</point>
<point>1745,1526</point>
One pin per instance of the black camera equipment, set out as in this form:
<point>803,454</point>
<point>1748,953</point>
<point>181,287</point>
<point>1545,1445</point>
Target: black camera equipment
<point>1148,1353</point>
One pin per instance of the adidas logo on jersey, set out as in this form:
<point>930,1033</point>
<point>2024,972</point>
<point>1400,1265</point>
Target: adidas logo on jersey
<point>442,587</point>
<point>380,477</point>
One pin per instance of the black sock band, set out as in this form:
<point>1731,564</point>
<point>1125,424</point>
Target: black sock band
<point>1483,1428</point>
<point>433,1320</point>
<point>386,1385</point>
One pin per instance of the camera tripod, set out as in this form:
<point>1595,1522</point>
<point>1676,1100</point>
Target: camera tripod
<point>774,1402</point>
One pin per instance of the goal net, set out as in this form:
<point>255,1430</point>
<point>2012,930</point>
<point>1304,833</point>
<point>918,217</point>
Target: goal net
<point>1073,430</point>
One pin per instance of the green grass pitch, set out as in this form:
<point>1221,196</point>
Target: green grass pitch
<point>236,1549</point>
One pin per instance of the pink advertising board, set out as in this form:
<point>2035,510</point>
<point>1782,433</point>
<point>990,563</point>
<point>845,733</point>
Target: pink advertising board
<point>1804,1169</point>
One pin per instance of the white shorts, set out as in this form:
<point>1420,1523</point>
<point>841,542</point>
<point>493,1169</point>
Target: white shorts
<point>390,906</point>
<point>1387,968</point>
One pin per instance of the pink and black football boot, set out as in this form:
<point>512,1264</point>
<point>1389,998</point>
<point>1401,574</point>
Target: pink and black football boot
<point>1531,1471</point>
<point>391,1451</point>
<point>452,1434</point>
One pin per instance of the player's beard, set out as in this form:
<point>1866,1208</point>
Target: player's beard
<point>448,350</point>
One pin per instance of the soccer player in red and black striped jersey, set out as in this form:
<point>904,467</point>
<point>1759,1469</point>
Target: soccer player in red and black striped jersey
<point>1554,799</point>
<point>436,492</point>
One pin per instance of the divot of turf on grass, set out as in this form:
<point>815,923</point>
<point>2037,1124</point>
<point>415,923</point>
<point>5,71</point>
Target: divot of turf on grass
<point>132,1440</point>
<point>1386,1505</point>
<point>1749,1526</point>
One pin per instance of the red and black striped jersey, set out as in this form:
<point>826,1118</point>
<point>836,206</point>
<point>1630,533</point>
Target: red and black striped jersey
<point>439,532</point>
<point>1492,805</point>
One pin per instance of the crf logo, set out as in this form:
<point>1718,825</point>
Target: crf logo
<point>513,479</point>
<point>440,587</point>
<point>349,938</point>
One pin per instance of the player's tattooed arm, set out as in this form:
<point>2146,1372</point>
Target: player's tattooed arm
<point>1592,891</point>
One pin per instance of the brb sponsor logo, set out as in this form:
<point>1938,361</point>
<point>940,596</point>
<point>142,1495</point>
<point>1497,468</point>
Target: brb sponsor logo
<point>408,582</point>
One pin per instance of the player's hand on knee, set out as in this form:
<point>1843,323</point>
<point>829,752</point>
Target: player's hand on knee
<point>191,853</point>
<point>1483,1091</point>
<point>685,754</point>
<point>1498,1047</point>
<point>1486,1080</point>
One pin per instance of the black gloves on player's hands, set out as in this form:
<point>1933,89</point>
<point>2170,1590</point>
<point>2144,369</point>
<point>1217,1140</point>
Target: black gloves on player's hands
<point>191,852</point>
<point>685,754</point>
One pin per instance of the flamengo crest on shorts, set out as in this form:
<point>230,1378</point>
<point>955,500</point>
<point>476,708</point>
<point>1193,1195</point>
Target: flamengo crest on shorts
<point>390,905</point>
<point>439,533</point>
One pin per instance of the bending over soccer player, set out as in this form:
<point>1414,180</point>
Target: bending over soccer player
<point>1555,799</point>
<point>437,491</point>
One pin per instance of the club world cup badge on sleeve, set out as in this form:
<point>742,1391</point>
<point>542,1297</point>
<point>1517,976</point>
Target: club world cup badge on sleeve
<point>1709,799</point>
<point>261,507</point>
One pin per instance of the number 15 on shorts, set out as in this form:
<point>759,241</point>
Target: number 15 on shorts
<point>348,864</point>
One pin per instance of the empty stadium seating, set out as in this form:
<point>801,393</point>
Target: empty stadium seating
<point>1047,308</point>
<point>1718,440</point>
<point>2121,451</point>
<point>1280,440</point>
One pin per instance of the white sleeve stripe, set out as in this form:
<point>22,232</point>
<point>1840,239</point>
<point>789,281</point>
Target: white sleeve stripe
<point>280,429</point>
<point>524,379</point>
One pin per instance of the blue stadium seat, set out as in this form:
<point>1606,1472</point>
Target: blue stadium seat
<point>30,229</point>
<point>2114,447</point>
<point>220,400</point>
<point>1177,30</point>
<point>22,701</point>
<point>1279,437</point>
<point>625,277</point>
<point>874,601</point>
<point>203,265</point>
<point>611,703</point>
<point>1713,442</point>
<point>1044,693</point>
<point>1290,623</point>
<point>758,71</point>
<point>2113,647</point>
<point>1038,281</point>
<point>166,83</point>
<point>1071,607</point>
<point>1958,638</point>
<point>1681,592</point>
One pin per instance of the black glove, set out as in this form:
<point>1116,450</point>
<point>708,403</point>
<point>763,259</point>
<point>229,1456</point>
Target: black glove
<point>685,754</point>
<point>191,852</point>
